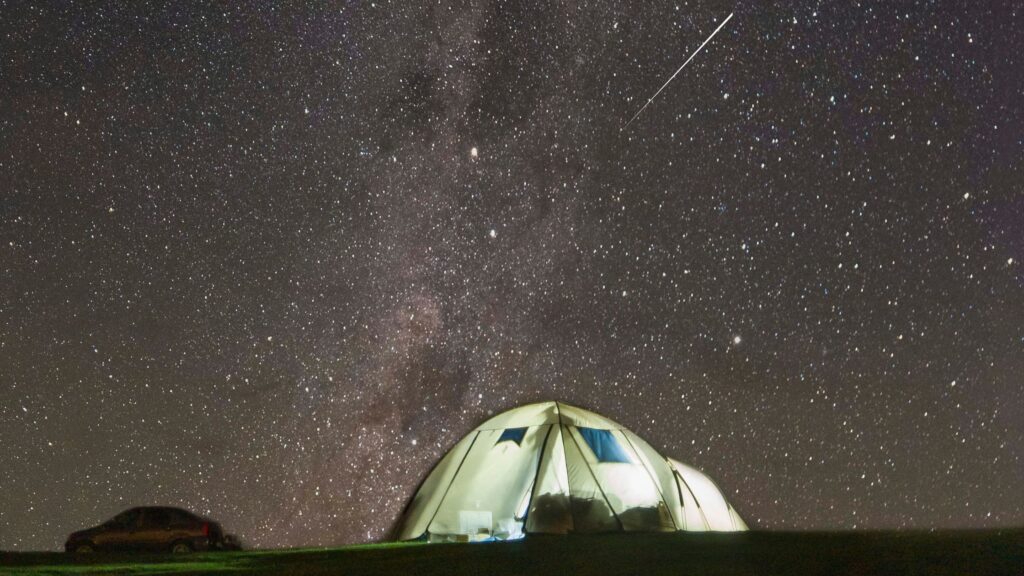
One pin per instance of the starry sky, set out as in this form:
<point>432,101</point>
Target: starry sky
<point>269,262</point>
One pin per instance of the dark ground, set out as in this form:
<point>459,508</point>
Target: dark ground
<point>852,553</point>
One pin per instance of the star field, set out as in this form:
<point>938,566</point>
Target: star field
<point>269,262</point>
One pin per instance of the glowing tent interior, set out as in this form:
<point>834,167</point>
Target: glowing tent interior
<point>554,468</point>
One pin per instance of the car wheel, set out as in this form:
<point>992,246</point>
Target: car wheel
<point>84,548</point>
<point>180,548</point>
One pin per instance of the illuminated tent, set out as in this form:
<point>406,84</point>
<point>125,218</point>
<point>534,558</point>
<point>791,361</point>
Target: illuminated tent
<point>555,468</point>
<point>703,503</point>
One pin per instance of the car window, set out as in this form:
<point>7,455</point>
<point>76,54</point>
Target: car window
<point>127,519</point>
<point>180,517</point>
<point>156,518</point>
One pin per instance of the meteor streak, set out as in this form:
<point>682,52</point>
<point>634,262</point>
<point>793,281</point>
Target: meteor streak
<point>651,99</point>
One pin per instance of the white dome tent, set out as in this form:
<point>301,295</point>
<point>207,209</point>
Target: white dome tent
<point>703,502</point>
<point>554,468</point>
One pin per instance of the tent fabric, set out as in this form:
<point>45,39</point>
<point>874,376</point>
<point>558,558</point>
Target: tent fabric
<point>715,513</point>
<point>554,468</point>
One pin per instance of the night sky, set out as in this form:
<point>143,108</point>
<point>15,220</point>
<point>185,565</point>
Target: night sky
<point>270,262</point>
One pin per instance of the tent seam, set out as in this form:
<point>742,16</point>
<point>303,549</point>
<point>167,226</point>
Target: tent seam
<point>536,476</point>
<point>679,478</point>
<point>596,483</point>
<point>454,476</point>
<point>565,465</point>
<point>651,476</point>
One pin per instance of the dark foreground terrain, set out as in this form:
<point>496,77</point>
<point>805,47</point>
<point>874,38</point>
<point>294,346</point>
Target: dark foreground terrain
<point>782,553</point>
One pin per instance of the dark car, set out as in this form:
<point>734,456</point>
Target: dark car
<point>151,529</point>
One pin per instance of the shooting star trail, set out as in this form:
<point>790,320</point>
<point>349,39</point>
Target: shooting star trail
<point>699,48</point>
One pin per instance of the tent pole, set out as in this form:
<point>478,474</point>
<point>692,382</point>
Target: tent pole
<point>649,475</point>
<point>454,476</point>
<point>596,483</point>
<point>536,476</point>
<point>728,505</point>
<point>679,479</point>
<point>572,514</point>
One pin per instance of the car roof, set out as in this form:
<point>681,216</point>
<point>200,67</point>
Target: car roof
<point>171,509</point>
<point>167,508</point>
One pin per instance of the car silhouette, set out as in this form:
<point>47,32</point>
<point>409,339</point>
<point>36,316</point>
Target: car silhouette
<point>151,529</point>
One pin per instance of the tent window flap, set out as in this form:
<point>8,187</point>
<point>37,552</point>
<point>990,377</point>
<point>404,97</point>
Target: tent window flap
<point>512,435</point>
<point>604,446</point>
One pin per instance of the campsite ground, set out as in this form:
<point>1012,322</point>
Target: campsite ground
<point>776,553</point>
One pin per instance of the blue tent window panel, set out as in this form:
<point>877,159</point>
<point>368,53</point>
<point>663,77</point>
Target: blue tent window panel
<point>512,435</point>
<point>604,445</point>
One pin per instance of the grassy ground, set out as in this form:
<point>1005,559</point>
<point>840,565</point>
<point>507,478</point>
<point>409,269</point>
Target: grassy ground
<point>902,553</point>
